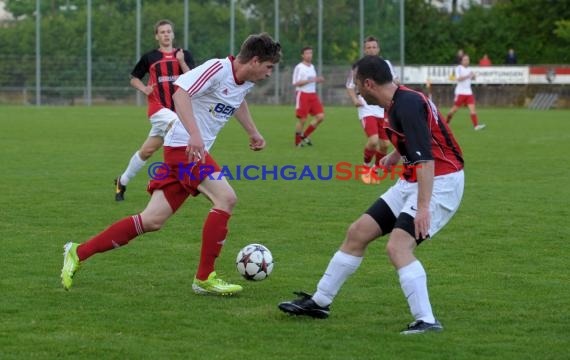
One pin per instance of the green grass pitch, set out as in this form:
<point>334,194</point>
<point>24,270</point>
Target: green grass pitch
<point>498,272</point>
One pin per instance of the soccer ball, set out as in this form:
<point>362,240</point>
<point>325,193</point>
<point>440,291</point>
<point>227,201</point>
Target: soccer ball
<point>254,262</point>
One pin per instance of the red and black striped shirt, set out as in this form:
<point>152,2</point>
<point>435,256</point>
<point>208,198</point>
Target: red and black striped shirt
<point>419,132</point>
<point>163,69</point>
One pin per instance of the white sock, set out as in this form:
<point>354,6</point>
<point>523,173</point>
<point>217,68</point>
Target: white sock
<point>341,266</point>
<point>413,280</point>
<point>135,165</point>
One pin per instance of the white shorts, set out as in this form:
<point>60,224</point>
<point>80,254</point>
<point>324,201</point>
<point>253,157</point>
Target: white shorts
<point>445,199</point>
<point>161,121</point>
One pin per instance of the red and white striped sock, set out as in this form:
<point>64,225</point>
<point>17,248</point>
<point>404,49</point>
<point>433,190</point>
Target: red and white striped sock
<point>116,235</point>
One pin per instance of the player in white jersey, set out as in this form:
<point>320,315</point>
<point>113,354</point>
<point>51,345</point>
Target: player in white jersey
<point>205,98</point>
<point>307,100</point>
<point>371,116</point>
<point>463,93</point>
<point>215,97</point>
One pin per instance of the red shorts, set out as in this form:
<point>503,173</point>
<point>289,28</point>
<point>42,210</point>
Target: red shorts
<point>374,126</point>
<point>174,177</point>
<point>307,103</point>
<point>464,100</point>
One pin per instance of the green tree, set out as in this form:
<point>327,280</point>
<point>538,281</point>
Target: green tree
<point>429,39</point>
<point>563,30</point>
<point>432,37</point>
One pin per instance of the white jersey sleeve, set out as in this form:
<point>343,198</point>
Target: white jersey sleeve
<point>395,76</point>
<point>199,81</point>
<point>350,80</point>
<point>215,97</point>
<point>364,110</point>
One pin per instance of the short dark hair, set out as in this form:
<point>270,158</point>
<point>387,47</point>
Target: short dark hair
<point>370,39</point>
<point>163,22</point>
<point>262,46</point>
<point>306,48</point>
<point>375,68</point>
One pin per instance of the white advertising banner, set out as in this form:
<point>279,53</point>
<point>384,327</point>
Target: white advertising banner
<point>484,75</point>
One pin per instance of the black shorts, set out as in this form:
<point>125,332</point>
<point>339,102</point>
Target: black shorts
<point>385,218</point>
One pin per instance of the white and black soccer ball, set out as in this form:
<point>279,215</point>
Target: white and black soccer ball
<point>254,262</point>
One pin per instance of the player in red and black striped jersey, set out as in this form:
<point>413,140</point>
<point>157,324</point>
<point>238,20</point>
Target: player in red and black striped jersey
<point>163,66</point>
<point>419,141</point>
<point>412,210</point>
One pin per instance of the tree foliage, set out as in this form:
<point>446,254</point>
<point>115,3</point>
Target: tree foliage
<point>539,30</point>
<point>563,30</point>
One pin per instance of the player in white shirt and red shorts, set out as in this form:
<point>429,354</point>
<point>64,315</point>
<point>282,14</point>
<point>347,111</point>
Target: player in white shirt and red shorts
<point>464,94</point>
<point>205,99</point>
<point>371,117</point>
<point>307,100</point>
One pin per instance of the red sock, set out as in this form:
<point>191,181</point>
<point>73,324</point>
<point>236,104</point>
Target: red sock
<point>379,157</point>
<point>309,130</point>
<point>474,120</point>
<point>448,118</point>
<point>118,234</point>
<point>298,138</point>
<point>213,237</point>
<point>368,155</point>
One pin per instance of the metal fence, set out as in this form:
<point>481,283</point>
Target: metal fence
<point>91,78</point>
<point>111,87</point>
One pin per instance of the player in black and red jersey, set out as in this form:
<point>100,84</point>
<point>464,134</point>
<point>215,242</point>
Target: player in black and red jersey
<point>414,209</point>
<point>163,65</point>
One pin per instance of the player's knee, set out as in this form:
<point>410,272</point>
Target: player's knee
<point>231,200</point>
<point>399,247</point>
<point>372,143</point>
<point>226,201</point>
<point>356,235</point>
<point>320,118</point>
<point>152,224</point>
<point>392,249</point>
<point>146,152</point>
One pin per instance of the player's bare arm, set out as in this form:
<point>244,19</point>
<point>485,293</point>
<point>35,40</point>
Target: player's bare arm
<point>471,75</point>
<point>424,174</point>
<point>140,86</point>
<point>391,159</point>
<point>180,57</point>
<point>316,79</point>
<point>183,106</point>
<point>352,94</point>
<point>242,114</point>
<point>302,82</point>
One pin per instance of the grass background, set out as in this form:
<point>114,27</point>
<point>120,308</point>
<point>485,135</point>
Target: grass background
<point>498,272</point>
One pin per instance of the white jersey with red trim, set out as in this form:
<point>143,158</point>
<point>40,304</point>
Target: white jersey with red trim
<point>215,96</point>
<point>305,72</point>
<point>366,109</point>
<point>463,87</point>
